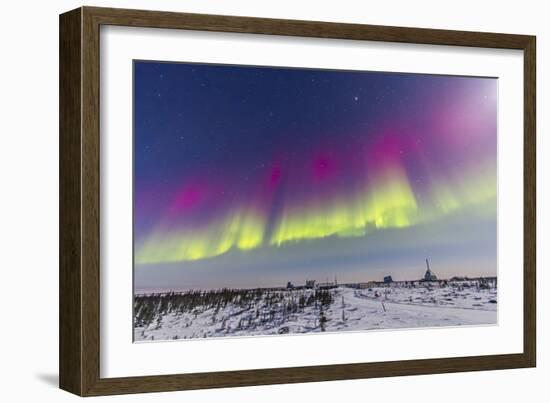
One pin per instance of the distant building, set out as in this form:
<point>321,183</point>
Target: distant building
<point>310,284</point>
<point>365,285</point>
<point>388,280</point>
<point>429,275</point>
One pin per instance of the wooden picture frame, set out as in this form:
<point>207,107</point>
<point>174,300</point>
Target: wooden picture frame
<point>79,280</point>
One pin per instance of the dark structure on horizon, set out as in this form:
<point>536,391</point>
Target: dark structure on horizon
<point>429,275</point>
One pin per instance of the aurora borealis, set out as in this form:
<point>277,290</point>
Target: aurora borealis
<point>277,173</point>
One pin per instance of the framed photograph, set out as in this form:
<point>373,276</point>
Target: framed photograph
<point>249,201</point>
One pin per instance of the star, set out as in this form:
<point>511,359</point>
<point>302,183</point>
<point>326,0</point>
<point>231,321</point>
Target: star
<point>356,98</point>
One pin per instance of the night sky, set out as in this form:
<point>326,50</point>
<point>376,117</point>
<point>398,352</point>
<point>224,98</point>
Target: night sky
<point>254,176</point>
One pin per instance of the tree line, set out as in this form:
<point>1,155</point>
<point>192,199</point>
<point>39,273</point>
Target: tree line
<point>265,305</point>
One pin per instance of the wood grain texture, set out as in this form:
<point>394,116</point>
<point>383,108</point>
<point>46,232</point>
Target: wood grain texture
<point>90,202</point>
<point>80,201</point>
<point>529,202</point>
<point>70,274</point>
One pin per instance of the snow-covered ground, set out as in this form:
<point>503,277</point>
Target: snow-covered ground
<point>296,311</point>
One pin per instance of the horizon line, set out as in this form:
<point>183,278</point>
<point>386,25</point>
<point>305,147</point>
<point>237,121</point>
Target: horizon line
<point>168,290</point>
